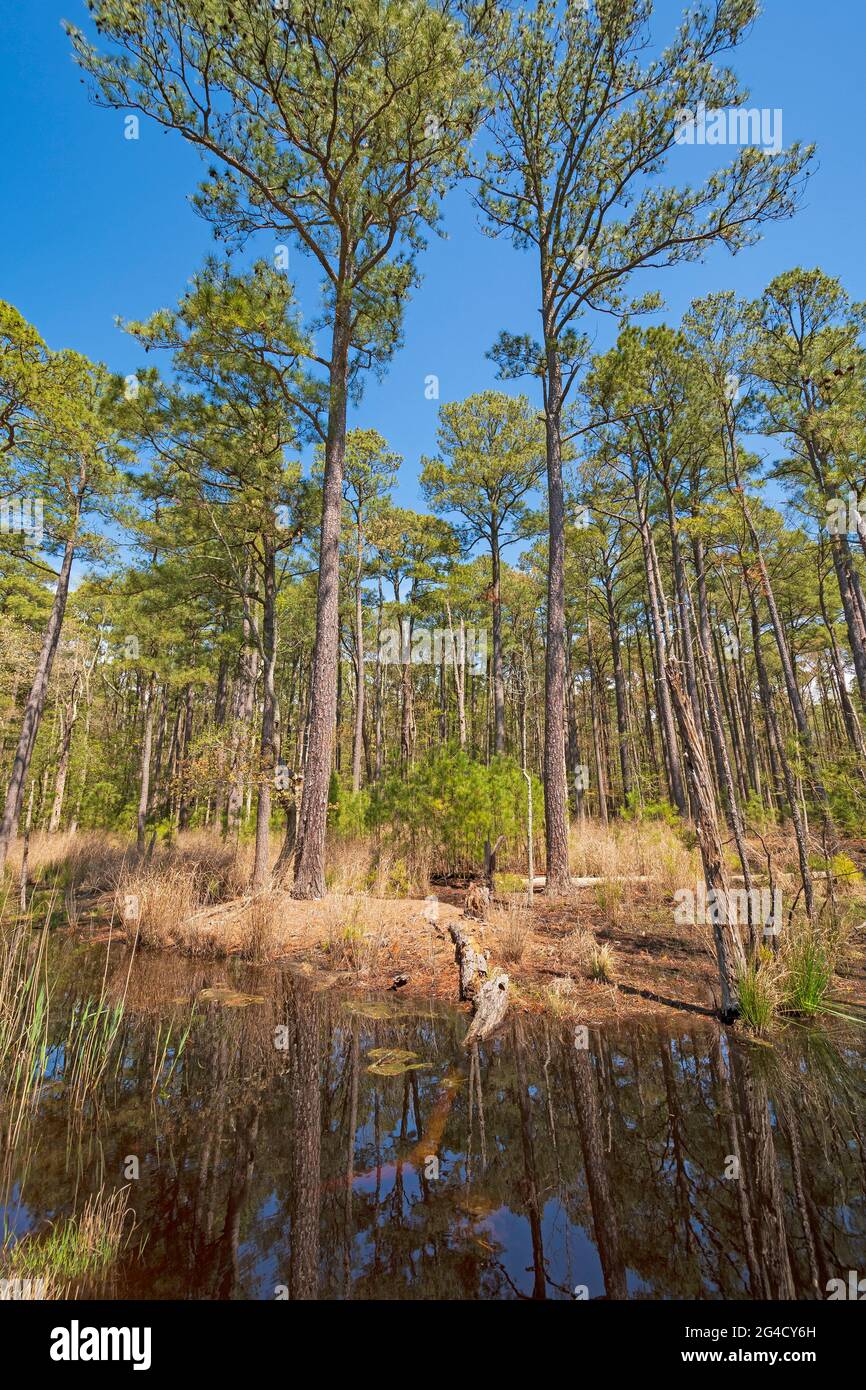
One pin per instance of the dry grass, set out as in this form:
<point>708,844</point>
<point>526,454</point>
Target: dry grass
<point>352,942</point>
<point>560,997</point>
<point>574,950</point>
<point>96,861</point>
<point>172,904</point>
<point>633,849</point>
<point>600,966</point>
<point>350,867</point>
<point>580,954</point>
<point>361,866</point>
<point>513,928</point>
<point>258,928</point>
<point>153,903</point>
<point>87,861</point>
<point>617,902</point>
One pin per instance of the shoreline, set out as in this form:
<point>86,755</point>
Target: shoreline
<point>361,943</point>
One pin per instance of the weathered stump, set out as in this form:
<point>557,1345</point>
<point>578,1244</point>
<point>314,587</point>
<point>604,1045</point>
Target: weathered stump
<point>471,962</point>
<point>488,994</point>
<point>477,902</point>
<point>491,1006</point>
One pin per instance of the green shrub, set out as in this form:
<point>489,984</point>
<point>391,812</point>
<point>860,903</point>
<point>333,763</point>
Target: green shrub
<point>348,811</point>
<point>509,883</point>
<point>757,815</point>
<point>650,810</point>
<point>840,867</point>
<point>448,805</point>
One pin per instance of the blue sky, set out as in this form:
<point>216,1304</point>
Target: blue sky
<point>94,225</point>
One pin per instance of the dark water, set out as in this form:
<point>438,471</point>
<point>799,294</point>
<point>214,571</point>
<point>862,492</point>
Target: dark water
<point>537,1168</point>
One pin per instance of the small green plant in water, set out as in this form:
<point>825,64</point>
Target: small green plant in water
<point>81,1247</point>
<point>758,989</point>
<point>809,974</point>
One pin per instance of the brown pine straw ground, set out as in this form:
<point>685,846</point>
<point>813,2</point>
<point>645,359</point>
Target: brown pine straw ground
<point>192,901</point>
<point>658,970</point>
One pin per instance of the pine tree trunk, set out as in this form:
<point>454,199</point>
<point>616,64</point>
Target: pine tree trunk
<point>312,823</point>
<point>670,747</point>
<point>267,742</point>
<point>242,713</point>
<point>358,736</point>
<point>63,759</point>
<point>498,681</point>
<point>620,692</point>
<point>144,774</point>
<point>555,780</point>
<point>36,699</point>
<point>730,955</point>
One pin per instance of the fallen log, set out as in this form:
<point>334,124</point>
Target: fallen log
<point>488,994</point>
<point>491,1006</point>
<point>540,880</point>
<point>471,962</point>
<point>226,910</point>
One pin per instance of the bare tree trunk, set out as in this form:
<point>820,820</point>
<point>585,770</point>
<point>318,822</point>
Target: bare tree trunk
<point>555,780</point>
<point>666,721</point>
<point>498,681</point>
<point>775,740</point>
<point>183,810</point>
<point>312,824</point>
<point>267,743</point>
<point>36,699</point>
<point>717,733</point>
<point>849,714</point>
<point>620,692</point>
<point>144,776</point>
<point>458,657</point>
<point>242,713</point>
<point>65,752</point>
<point>407,699</point>
<point>379,677</point>
<point>25,853</point>
<point>358,736</point>
<point>595,696</point>
<point>730,955</point>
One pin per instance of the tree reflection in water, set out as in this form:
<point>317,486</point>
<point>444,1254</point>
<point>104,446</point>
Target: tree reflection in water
<point>527,1169</point>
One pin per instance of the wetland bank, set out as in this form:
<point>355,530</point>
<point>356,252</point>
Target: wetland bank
<point>432,807</point>
<point>217,1095</point>
<point>275,1139</point>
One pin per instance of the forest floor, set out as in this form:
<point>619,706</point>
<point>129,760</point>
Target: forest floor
<point>657,970</point>
<point>193,900</point>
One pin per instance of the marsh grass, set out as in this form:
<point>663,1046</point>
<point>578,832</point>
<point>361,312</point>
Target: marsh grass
<point>77,1250</point>
<point>760,993</point>
<point>167,1052</point>
<point>24,1008</point>
<point>33,1049</point>
<point>797,981</point>
<point>808,974</point>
